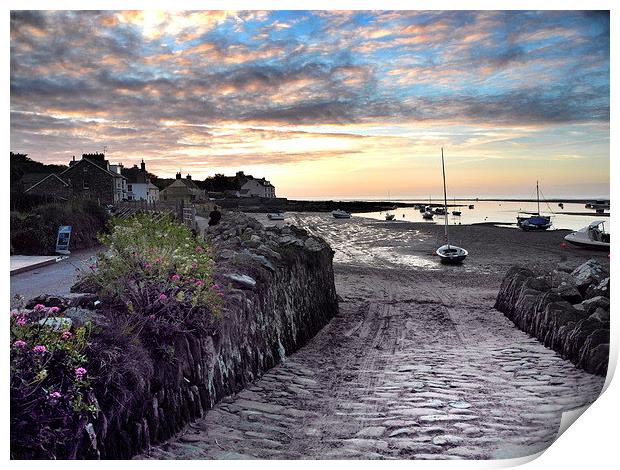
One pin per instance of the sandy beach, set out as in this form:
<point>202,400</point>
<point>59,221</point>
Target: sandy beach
<point>416,365</point>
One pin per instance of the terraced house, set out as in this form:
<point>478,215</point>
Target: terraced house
<point>91,177</point>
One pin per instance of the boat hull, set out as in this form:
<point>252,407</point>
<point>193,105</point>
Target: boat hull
<point>451,254</point>
<point>581,242</point>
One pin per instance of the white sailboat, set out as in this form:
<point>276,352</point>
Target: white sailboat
<point>388,214</point>
<point>449,253</point>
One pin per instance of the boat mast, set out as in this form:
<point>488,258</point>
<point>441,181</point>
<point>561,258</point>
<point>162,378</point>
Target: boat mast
<point>537,199</point>
<point>445,199</point>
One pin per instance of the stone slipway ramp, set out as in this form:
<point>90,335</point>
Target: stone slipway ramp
<point>410,368</point>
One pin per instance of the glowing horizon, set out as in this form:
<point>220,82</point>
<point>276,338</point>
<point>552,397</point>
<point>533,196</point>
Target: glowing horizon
<point>323,103</point>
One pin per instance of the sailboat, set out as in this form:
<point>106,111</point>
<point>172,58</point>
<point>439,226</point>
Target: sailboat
<point>534,221</point>
<point>456,212</point>
<point>388,215</point>
<point>449,253</point>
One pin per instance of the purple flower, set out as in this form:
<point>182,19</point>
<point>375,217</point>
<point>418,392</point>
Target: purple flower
<point>55,395</point>
<point>80,372</point>
<point>39,348</point>
<point>66,335</point>
<point>21,322</point>
<point>14,313</point>
<point>199,283</point>
<point>175,277</point>
<point>216,286</point>
<point>54,310</point>
<point>39,307</point>
<point>147,265</point>
<point>19,344</point>
<point>162,296</point>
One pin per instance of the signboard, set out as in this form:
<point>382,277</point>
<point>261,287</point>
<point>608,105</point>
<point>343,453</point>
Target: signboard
<point>62,242</point>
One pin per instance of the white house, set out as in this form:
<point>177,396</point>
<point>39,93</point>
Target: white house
<point>257,188</point>
<point>139,186</point>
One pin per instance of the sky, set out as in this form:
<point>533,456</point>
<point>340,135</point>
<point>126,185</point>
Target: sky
<point>323,103</point>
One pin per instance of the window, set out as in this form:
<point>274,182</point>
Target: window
<point>129,188</point>
<point>85,185</point>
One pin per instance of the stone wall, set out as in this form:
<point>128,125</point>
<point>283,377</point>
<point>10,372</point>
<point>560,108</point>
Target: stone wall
<point>568,310</point>
<point>280,292</point>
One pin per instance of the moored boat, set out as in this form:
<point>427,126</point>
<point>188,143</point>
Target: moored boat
<point>277,215</point>
<point>449,254</point>
<point>534,221</point>
<point>593,236</point>
<point>341,214</point>
<point>428,215</point>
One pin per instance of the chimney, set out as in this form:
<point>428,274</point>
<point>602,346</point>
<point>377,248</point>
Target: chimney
<point>189,177</point>
<point>240,173</point>
<point>142,165</point>
<point>178,176</point>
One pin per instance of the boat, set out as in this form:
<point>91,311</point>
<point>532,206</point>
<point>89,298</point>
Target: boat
<point>428,215</point>
<point>471,206</point>
<point>388,215</point>
<point>340,214</point>
<point>533,221</point>
<point>440,211</point>
<point>277,215</point>
<point>456,212</point>
<point>561,205</point>
<point>450,254</point>
<point>593,236</point>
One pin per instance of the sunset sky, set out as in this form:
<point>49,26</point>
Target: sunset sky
<point>323,103</point>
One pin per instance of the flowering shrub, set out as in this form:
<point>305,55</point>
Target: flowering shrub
<point>46,388</point>
<point>156,270</point>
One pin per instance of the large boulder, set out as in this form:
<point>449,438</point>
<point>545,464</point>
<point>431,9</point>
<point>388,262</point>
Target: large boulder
<point>589,273</point>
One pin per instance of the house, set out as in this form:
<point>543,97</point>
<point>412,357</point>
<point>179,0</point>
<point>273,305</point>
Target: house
<point>91,177</point>
<point>182,189</point>
<point>254,187</point>
<point>139,186</point>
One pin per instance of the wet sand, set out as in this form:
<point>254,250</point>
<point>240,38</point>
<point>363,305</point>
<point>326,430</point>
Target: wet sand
<point>417,364</point>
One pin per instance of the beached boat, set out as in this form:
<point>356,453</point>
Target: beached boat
<point>533,221</point>
<point>277,215</point>
<point>593,236</point>
<point>388,215</point>
<point>448,253</point>
<point>340,214</point>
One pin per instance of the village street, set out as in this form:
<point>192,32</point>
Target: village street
<point>417,364</point>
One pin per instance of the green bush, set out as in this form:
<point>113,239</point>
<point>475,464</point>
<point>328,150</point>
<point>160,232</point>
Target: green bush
<point>51,398</point>
<point>35,232</point>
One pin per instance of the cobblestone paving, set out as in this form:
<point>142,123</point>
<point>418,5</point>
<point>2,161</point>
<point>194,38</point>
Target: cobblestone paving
<point>412,367</point>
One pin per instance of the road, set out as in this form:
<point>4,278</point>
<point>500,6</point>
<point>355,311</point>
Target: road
<point>417,364</point>
<point>52,279</point>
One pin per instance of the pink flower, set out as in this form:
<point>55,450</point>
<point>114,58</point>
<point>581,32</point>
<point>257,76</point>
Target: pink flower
<point>39,348</point>
<point>216,286</point>
<point>158,260</point>
<point>80,372</point>
<point>39,307</point>
<point>199,249</point>
<point>175,277</point>
<point>199,283</point>
<point>66,335</point>
<point>93,266</point>
<point>162,296</point>
<point>55,395</point>
<point>147,265</point>
<point>19,343</point>
<point>21,322</point>
<point>54,310</point>
<point>14,313</point>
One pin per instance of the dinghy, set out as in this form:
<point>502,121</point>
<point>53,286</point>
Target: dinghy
<point>448,253</point>
<point>277,215</point>
<point>593,236</point>
<point>340,214</point>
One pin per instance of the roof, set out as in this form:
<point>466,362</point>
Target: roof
<point>152,186</point>
<point>596,223</point>
<point>53,175</point>
<point>109,173</point>
<point>134,175</point>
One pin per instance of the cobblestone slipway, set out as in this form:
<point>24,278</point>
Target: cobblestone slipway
<point>417,365</point>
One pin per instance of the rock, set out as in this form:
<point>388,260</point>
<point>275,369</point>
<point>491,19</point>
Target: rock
<point>242,280</point>
<point>80,316</point>
<point>589,273</point>
<point>56,323</point>
<point>312,244</point>
<point>601,315</point>
<point>566,266</point>
<point>600,289</point>
<point>447,439</point>
<point>264,262</point>
<point>594,303</point>
<point>226,254</point>
<point>570,293</point>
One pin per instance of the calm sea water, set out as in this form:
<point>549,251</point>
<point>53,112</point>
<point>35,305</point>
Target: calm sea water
<point>499,212</point>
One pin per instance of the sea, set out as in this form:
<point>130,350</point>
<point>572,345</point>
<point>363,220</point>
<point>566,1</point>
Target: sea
<point>502,213</point>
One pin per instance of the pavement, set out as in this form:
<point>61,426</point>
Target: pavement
<point>22,263</point>
<point>416,365</point>
<point>54,278</point>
